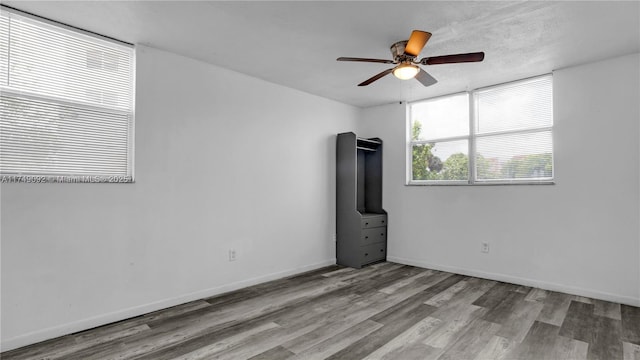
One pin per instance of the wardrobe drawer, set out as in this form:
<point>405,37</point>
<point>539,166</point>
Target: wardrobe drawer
<point>373,221</point>
<point>373,235</point>
<point>373,252</point>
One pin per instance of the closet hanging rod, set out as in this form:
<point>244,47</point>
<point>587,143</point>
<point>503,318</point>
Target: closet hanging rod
<point>365,148</point>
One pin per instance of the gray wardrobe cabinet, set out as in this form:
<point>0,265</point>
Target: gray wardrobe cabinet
<point>361,223</point>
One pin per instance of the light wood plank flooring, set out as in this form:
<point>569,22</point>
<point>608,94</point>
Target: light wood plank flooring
<point>384,311</point>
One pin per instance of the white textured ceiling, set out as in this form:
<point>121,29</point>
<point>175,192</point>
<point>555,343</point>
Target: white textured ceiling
<point>295,44</point>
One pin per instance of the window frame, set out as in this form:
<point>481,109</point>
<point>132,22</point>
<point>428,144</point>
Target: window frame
<point>44,177</point>
<point>472,140</point>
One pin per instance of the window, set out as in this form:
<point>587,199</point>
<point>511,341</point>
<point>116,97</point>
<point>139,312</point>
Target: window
<point>501,134</point>
<point>66,103</point>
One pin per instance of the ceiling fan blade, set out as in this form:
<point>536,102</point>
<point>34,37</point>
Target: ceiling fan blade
<point>376,77</point>
<point>416,42</point>
<point>451,59</point>
<point>425,79</point>
<point>365,60</point>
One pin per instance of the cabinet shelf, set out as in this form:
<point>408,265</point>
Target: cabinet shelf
<point>367,144</point>
<point>371,141</point>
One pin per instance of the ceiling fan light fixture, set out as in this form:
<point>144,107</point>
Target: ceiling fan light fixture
<point>406,71</point>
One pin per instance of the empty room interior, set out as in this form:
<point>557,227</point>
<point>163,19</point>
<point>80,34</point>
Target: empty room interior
<point>320,180</point>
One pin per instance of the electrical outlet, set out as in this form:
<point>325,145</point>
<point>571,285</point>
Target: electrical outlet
<point>484,247</point>
<point>232,254</point>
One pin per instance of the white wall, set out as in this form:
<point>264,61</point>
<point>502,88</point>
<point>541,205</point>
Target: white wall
<point>222,161</point>
<point>579,236</point>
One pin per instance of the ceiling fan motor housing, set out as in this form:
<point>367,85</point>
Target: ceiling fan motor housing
<point>397,51</point>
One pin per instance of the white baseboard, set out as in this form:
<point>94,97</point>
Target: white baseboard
<point>84,324</point>
<point>521,281</point>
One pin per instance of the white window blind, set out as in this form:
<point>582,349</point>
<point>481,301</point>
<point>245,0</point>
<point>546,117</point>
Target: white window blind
<point>513,131</point>
<point>66,103</point>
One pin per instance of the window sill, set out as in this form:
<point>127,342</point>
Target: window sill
<point>493,183</point>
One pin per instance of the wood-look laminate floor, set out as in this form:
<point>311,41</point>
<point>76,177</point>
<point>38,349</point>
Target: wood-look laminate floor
<point>384,311</point>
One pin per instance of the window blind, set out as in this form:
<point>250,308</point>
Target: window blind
<point>514,131</point>
<point>521,105</point>
<point>66,102</point>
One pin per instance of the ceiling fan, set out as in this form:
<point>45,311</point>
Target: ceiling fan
<point>405,54</point>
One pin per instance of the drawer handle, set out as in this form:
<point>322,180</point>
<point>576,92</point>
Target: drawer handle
<point>383,221</point>
<point>381,250</point>
<point>366,254</point>
<point>366,237</point>
<point>365,224</point>
<point>381,234</point>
